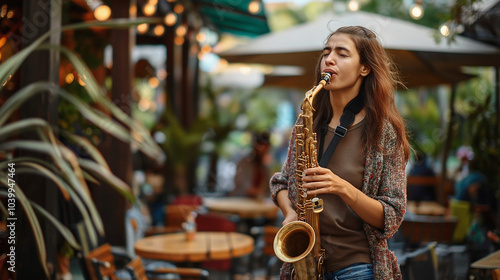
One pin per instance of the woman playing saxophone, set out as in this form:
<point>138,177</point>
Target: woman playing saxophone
<point>363,184</point>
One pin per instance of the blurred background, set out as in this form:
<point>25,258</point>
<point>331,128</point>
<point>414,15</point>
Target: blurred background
<point>216,83</point>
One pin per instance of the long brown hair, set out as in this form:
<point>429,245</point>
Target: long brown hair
<point>378,87</point>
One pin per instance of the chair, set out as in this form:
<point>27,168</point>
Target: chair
<point>419,230</point>
<point>420,264</point>
<point>433,182</point>
<point>496,274</point>
<point>268,249</point>
<point>100,264</point>
<point>138,271</point>
<point>188,199</point>
<point>175,215</point>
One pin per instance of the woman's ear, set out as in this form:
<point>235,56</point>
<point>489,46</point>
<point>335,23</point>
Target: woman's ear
<point>365,70</point>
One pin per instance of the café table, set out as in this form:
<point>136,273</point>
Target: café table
<point>491,261</point>
<point>483,267</point>
<point>244,207</point>
<point>206,245</point>
<point>428,208</point>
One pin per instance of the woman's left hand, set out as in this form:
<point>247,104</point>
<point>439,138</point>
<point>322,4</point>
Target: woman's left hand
<point>322,180</point>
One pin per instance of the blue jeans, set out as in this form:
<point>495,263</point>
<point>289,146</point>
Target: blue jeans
<point>357,271</point>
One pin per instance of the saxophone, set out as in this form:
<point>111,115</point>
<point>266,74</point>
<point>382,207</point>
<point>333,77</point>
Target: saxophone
<point>299,242</point>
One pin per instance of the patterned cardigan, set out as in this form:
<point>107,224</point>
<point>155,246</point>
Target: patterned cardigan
<point>384,179</point>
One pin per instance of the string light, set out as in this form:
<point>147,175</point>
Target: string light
<point>103,12</point>
<point>201,37</point>
<point>149,9</point>
<point>444,30</point>
<point>170,19</point>
<point>353,5</point>
<point>206,49</point>
<point>3,12</point>
<point>159,30</point>
<point>142,28</point>
<point>178,40</point>
<point>417,11</point>
<point>181,30</point>
<point>69,78</point>
<point>254,7</point>
<point>178,9</point>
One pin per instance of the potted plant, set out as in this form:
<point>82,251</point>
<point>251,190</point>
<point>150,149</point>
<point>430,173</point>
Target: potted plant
<point>69,172</point>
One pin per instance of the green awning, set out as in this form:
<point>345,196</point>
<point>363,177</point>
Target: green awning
<point>233,17</point>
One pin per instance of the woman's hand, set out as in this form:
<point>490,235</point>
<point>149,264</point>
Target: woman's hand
<point>322,180</point>
<point>290,217</point>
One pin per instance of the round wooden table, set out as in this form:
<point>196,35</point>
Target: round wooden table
<point>206,245</point>
<point>246,208</point>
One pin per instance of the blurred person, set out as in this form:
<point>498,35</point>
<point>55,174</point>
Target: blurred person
<point>252,173</point>
<point>364,183</point>
<point>421,169</point>
<point>473,188</point>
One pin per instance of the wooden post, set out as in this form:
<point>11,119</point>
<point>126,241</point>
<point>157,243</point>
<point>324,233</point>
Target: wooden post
<point>38,18</point>
<point>446,147</point>
<point>117,153</point>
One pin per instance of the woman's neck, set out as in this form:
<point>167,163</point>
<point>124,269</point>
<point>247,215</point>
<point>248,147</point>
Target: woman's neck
<point>338,102</point>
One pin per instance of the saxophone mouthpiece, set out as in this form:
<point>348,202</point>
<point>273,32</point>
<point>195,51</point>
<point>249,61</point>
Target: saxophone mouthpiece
<point>326,76</point>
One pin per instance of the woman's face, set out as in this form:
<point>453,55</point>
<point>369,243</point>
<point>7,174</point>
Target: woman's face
<point>341,57</point>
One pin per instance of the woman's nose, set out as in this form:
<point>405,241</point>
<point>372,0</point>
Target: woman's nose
<point>329,60</point>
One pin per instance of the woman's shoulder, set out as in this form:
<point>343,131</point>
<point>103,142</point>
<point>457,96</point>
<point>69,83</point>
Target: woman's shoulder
<point>388,133</point>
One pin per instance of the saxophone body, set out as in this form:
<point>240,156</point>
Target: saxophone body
<point>298,242</point>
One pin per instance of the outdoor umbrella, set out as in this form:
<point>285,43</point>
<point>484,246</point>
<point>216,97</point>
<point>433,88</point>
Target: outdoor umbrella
<point>421,60</point>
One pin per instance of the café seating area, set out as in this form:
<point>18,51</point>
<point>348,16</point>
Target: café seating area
<point>234,240</point>
<point>434,240</point>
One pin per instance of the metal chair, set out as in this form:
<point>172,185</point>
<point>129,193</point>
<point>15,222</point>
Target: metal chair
<point>100,264</point>
<point>420,264</point>
<point>139,272</point>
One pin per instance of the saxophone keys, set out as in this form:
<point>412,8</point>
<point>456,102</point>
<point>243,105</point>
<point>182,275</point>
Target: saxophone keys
<point>317,205</point>
<point>303,193</point>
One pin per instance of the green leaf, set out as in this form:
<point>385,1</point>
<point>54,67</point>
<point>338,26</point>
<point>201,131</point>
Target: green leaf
<point>65,232</point>
<point>108,177</point>
<point>32,219</point>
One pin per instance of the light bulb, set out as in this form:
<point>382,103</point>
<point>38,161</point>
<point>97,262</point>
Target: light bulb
<point>170,19</point>
<point>444,30</point>
<point>254,7</point>
<point>353,5</point>
<point>102,12</point>
<point>159,30</point>
<point>417,11</point>
<point>149,9</point>
<point>142,28</point>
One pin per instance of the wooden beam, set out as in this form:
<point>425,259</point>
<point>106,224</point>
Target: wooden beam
<point>38,18</point>
<point>117,153</point>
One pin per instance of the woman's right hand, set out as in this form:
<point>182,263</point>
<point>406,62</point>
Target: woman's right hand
<point>290,217</point>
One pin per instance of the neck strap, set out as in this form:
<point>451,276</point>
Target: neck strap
<point>346,120</point>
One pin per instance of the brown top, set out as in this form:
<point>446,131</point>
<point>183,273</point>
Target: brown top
<point>342,234</point>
